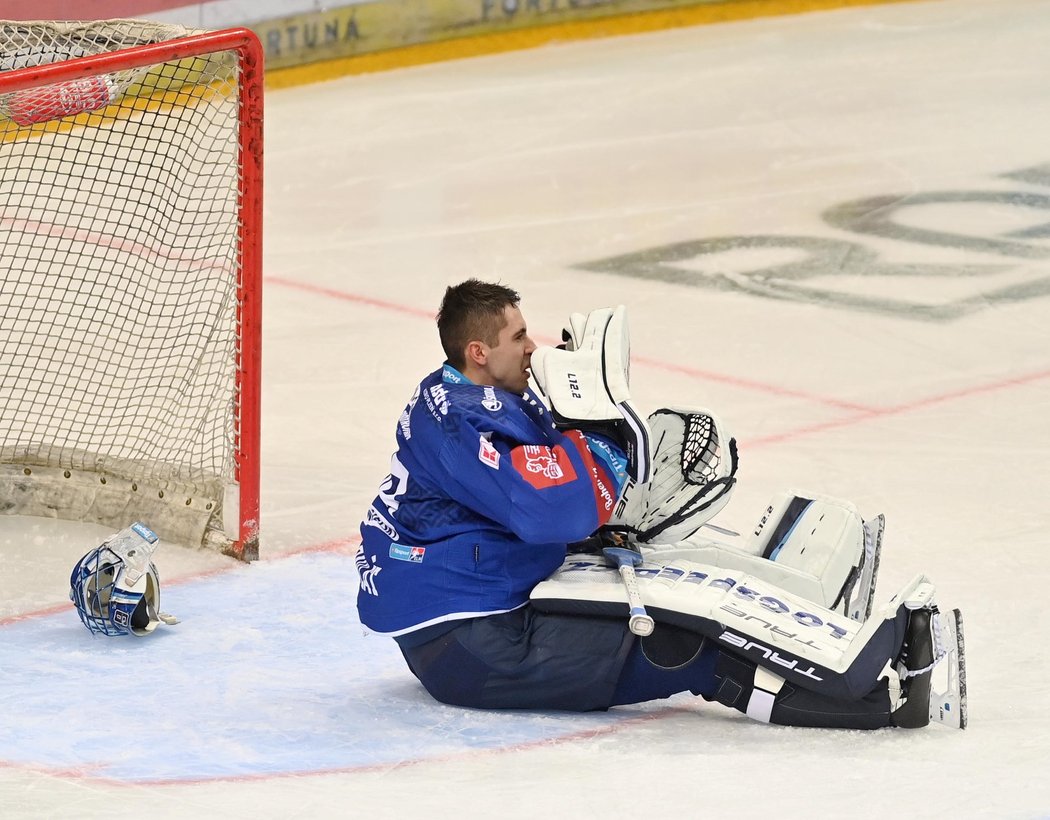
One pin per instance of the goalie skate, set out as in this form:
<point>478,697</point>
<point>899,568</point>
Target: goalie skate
<point>948,687</point>
<point>932,668</point>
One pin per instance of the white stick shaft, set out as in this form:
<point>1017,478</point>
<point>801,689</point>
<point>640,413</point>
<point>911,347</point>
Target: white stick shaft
<point>640,622</point>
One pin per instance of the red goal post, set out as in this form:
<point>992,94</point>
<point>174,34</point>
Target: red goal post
<point>130,277</point>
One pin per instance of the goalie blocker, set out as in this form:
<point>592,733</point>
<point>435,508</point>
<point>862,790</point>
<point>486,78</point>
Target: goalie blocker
<point>586,380</point>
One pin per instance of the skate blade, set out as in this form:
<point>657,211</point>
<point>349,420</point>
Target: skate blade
<point>948,689</point>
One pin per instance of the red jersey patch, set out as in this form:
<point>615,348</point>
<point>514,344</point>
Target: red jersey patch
<point>543,466</point>
<point>604,498</point>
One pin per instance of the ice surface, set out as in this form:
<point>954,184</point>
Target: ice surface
<point>831,228</point>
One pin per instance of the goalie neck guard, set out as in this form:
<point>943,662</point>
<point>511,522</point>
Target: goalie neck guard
<point>116,588</point>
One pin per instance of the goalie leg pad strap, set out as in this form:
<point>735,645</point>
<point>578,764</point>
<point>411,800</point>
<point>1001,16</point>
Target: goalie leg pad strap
<point>767,698</point>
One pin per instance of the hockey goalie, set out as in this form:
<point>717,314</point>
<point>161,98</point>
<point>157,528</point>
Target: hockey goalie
<point>539,544</point>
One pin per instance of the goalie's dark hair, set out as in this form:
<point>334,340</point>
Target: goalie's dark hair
<point>472,310</point>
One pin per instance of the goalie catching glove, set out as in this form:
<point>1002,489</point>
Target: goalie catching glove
<point>693,474</point>
<point>586,382</point>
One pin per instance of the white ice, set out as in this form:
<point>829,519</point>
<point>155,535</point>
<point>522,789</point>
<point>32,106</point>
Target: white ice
<point>267,700</point>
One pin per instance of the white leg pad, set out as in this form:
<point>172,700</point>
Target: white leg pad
<point>818,535</point>
<point>816,547</point>
<point>808,546</point>
<point>806,644</point>
<point>707,551</point>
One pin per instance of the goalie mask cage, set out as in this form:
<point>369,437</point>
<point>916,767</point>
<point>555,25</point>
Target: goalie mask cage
<point>130,276</point>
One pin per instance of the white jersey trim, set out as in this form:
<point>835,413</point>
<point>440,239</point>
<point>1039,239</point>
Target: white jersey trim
<point>452,616</point>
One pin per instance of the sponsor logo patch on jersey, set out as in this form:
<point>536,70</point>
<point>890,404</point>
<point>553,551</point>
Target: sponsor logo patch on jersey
<point>450,374</point>
<point>379,521</point>
<point>543,466</point>
<point>436,400</point>
<point>440,395</point>
<point>413,555</point>
<point>490,402</point>
<point>368,571</point>
<point>405,422</point>
<point>488,454</point>
<point>605,497</point>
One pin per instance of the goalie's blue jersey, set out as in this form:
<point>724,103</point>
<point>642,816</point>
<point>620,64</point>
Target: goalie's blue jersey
<point>483,496</point>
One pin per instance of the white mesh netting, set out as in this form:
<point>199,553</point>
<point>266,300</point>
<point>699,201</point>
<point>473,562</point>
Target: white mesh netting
<point>119,282</point>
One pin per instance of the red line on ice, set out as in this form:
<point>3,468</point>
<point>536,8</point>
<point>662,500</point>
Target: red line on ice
<point>857,412</point>
<point>84,773</point>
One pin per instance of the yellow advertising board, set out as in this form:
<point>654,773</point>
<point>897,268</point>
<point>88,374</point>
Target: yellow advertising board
<point>369,27</point>
<point>389,33</point>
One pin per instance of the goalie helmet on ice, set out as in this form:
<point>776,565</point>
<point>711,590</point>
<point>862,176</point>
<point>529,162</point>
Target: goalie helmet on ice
<point>116,588</point>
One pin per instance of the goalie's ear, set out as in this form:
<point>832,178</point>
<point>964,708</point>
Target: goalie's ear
<point>476,353</point>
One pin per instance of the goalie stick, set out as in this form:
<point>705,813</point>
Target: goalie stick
<point>625,560</point>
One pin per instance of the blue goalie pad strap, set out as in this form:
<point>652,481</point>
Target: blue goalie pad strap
<point>798,640</point>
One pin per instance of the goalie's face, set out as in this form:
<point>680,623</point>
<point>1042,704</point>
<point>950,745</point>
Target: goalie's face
<point>506,363</point>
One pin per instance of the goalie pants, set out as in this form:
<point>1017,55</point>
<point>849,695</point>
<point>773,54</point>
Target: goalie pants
<point>527,659</point>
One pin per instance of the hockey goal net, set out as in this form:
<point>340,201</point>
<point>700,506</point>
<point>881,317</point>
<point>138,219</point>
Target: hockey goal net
<point>130,260</point>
